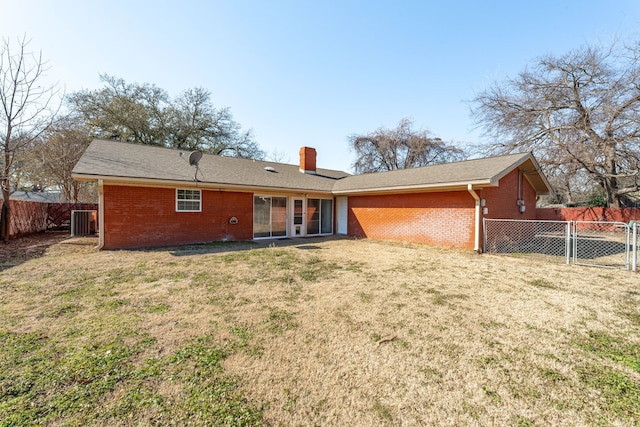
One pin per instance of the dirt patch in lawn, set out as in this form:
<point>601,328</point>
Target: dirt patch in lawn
<point>327,332</point>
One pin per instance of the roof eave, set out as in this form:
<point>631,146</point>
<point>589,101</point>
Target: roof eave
<point>538,171</point>
<point>149,182</point>
<point>541,175</point>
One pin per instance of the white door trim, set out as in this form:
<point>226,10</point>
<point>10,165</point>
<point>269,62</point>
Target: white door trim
<point>342,214</point>
<point>298,229</point>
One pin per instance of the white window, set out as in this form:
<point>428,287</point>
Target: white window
<point>188,200</point>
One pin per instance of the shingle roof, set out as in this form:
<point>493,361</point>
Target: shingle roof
<point>481,172</point>
<point>34,196</point>
<point>110,159</point>
<point>131,162</point>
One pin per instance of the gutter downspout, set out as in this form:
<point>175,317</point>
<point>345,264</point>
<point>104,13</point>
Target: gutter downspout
<point>475,196</point>
<point>100,214</point>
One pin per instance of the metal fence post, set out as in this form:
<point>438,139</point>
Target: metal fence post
<point>627,229</point>
<point>574,236</point>
<point>484,234</point>
<point>567,245</point>
<point>634,242</point>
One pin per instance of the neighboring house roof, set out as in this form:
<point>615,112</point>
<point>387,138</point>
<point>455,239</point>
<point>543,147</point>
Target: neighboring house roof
<point>125,162</point>
<point>32,196</point>
<point>118,160</point>
<point>631,200</point>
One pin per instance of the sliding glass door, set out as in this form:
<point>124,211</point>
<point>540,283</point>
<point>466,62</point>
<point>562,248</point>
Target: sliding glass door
<point>306,217</point>
<point>319,216</point>
<point>269,217</point>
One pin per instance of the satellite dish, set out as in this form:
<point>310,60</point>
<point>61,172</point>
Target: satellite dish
<point>195,157</point>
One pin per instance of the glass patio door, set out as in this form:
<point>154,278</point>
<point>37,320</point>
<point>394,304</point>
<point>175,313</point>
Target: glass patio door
<point>319,216</point>
<point>297,217</point>
<point>269,217</point>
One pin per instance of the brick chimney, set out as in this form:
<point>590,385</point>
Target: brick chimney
<point>308,160</point>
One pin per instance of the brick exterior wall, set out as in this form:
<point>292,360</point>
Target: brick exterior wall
<point>442,218</point>
<point>146,216</point>
<point>433,218</point>
<point>502,201</point>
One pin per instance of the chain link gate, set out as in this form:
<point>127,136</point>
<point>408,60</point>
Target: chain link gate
<point>592,243</point>
<point>601,244</point>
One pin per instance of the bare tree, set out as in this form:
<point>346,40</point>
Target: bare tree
<point>26,112</point>
<point>579,112</point>
<point>277,156</point>
<point>54,155</point>
<point>400,148</point>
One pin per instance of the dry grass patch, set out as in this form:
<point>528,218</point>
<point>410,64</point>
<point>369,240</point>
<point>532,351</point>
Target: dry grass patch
<point>315,332</point>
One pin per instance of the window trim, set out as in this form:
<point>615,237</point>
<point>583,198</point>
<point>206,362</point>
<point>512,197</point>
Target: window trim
<point>178,200</point>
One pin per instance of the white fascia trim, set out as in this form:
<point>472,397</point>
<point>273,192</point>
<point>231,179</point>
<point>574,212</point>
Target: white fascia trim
<point>112,180</point>
<point>165,183</point>
<point>406,188</point>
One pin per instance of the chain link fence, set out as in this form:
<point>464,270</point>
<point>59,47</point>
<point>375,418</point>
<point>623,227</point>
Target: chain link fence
<point>592,243</point>
<point>506,236</point>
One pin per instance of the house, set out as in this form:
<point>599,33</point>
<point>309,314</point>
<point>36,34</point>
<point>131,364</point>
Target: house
<point>37,196</point>
<point>154,196</point>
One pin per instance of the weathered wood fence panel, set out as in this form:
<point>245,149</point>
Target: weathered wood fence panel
<point>33,217</point>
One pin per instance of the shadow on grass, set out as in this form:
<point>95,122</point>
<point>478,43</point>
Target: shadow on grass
<point>25,248</point>
<point>588,247</point>
<point>303,243</point>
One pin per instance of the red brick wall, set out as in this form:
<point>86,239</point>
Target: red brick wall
<point>589,214</point>
<point>502,201</point>
<point>446,219</point>
<point>145,216</point>
<point>434,218</point>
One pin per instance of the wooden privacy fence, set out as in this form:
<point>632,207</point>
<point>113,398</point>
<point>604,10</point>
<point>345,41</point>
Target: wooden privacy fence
<point>589,214</point>
<point>33,217</point>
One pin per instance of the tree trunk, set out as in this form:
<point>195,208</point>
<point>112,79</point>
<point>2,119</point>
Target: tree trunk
<point>610,177</point>
<point>4,217</point>
<point>5,187</point>
<point>75,188</point>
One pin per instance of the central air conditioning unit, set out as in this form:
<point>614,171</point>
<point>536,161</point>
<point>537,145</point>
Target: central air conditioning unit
<point>83,223</point>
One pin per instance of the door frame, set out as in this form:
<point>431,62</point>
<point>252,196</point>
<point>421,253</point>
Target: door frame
<point>302,227</point>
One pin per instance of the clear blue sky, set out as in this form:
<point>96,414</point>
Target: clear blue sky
<point>312,73</point>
